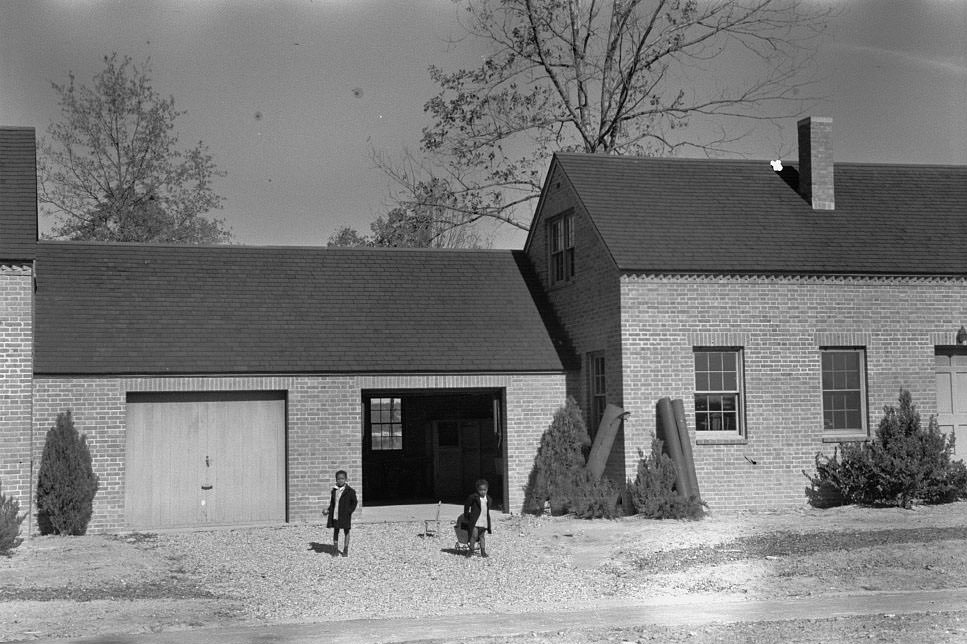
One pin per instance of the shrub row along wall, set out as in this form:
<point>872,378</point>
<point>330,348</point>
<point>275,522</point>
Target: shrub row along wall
<point>323,426</point>
<point>780,323</point>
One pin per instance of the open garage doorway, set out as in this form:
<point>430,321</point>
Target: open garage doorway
<point>429,446</point>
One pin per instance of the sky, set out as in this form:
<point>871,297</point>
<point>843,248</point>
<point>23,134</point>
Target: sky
<point>291,96</point>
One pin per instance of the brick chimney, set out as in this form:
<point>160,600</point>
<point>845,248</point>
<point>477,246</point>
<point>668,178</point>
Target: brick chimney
<point>18,193</point>
<point>816,162</point>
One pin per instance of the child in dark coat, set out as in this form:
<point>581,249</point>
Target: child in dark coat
<point>342,504</point>
<point>477,511</point>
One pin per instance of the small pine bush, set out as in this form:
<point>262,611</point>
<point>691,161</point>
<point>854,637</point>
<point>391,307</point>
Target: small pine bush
<point>904,462</point>
<point>66,483</point>
<point>653,490</point>
<point>592,498</point>
<point>9,523</point>
<point>944,480</point>
<point>825,490</point>
<point>559,462</point>
<point>949,486</point>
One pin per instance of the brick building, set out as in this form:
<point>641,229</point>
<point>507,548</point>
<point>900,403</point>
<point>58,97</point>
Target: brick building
<point>226,384</point>
<point>785,308</point>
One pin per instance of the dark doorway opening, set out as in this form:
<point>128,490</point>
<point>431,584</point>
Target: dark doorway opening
<point>429,446</point>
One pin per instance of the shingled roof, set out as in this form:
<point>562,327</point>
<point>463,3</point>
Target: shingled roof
<point>152,309</point>
<point>700,215</point>
<point>18,193</point>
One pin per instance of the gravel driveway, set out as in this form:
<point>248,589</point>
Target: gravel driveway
<point>288,573</point>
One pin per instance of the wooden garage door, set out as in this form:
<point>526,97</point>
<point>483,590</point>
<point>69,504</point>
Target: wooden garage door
<point>205,459</point>
<point>952,395</point>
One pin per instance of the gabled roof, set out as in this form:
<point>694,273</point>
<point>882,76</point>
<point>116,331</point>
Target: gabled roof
<point>700,215</point>
<point>146,309</point>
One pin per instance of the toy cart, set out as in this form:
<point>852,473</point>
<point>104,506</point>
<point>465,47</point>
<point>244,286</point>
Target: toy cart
<point>461,530</point>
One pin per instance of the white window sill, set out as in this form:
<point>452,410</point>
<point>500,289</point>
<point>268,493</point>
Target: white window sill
<point>714,438</point>
<point>845,437</point>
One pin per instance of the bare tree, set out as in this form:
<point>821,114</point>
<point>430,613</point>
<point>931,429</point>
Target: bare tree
<point>602,76</point>
<point>111,170</point>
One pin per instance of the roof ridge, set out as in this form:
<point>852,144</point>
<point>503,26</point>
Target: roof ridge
<point>334,249</point>
<point>619,158</point>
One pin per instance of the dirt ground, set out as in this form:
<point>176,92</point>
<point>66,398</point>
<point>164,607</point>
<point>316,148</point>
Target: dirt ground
<point>922,628</point>
<point>103,584</point>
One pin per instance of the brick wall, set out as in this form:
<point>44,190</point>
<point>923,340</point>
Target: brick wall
<point>97,405</point>
<point>531,403</point>
<point>781,322</point>
<point>16,370</point>
<point>324,421</point>
<point>323,426</point>
<point>588,304</point>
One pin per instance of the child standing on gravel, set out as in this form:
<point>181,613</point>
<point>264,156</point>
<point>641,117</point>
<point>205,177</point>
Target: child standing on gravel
<point>342,504</point>
<point>477,511</point>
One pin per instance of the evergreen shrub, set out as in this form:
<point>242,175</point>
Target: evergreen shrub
<point>592,498</point>
<point>653,491</point>
<point>559,462</point>
<point>9,523</point>
<point>904,462</point>
<point>66,482</point>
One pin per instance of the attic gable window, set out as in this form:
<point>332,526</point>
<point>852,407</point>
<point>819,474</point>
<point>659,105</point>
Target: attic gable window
<point>561,234</point>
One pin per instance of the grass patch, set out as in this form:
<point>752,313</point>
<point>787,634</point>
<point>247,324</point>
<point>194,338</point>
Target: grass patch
<point>779,544</point>
<point>161,589</point>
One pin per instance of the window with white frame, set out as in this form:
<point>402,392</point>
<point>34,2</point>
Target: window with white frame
<point>844,390</point>
<point>561,233</point>
<point>597,390</point>
<point>718,390</point>
<point>386,423</point>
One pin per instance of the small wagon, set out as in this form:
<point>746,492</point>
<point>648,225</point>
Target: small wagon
<point>461,530</point>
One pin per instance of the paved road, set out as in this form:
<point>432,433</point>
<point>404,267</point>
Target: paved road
<point>690,611</point>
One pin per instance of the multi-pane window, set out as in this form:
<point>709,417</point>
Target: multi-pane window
<point>718,390</point>
<point>386,423</point>
<point>562,248</point>
<point>844,392</point>
<point>597,389</point>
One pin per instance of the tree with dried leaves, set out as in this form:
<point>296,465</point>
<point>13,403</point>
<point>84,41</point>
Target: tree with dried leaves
<point>628,77</point>
<point>410,228</point>
<point>111,169</point>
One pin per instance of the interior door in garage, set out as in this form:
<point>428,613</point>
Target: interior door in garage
<point>205,458</point>
<point>952,394</point>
